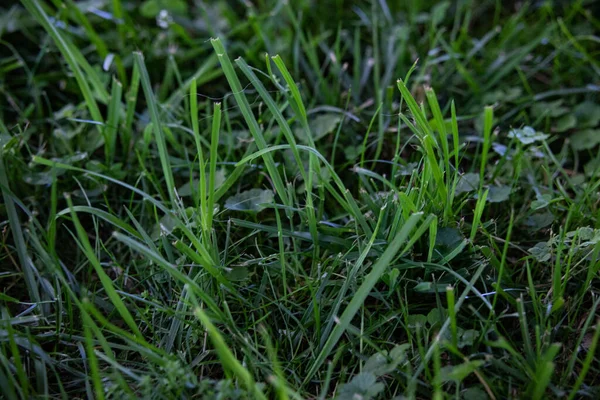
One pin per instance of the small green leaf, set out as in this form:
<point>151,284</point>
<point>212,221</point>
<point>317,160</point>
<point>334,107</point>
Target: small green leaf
<point>527,135</point>
<point>551,109</point>
<point>474,393</point>
<point>363,386</point>
<point>417,320</point>
<point>458,373</point>
<point>352,152</point>
<point>585,140</point>
<point>592,168</point>
<point>237,274</point>
<point>541,251</point>
<point>430,287</point>
<point>447,239</point>
<point>468,182</point>
<point>539,221</point>
<point>586,233</point>
<point>565,123</point>
<point>186,189</point>
<point>320,127</point>
<point>467,338</point>
<point>253,200</point>
<point>165,226</point>
<point>588,114</point>
<point>383,363</point>
<point>542,201</point>
<point>151,8</point>
<point>435,317</point>
<point>498,194</point>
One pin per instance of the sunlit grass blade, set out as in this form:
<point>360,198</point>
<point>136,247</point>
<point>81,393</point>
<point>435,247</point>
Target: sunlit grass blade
<point>443,141</point>
<point>297,103</point>
<point>479,207</point>
<point>423,130</point>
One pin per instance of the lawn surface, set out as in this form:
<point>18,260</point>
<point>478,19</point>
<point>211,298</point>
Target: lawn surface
<point>299,199</point>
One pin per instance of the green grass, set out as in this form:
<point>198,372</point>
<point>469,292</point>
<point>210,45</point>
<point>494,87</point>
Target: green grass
<point>270,199</point>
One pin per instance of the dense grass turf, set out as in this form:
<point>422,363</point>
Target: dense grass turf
<point>299,199</point>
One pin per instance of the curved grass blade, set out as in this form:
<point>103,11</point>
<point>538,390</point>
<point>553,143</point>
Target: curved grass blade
<point>172,270</point>
<point>66,49</point>
<point>104,278</point>
<point>253,126</point>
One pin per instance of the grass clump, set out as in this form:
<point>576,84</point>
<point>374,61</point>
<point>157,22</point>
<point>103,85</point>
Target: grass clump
<point>272,199</point>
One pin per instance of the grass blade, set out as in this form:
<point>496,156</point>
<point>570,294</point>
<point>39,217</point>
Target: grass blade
<point>255,130</point>
<point>157,127</point>
<point>112,123</point>
<point>104,278</point>
<point>226,356</point>
<point>29,271</point>
<point>361,294</point>
<point>66,49</point>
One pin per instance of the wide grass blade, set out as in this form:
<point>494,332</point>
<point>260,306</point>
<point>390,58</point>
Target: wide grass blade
<point>131,101</point>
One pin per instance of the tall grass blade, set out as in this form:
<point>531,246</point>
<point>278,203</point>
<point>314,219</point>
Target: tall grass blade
<point>159,135</point>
